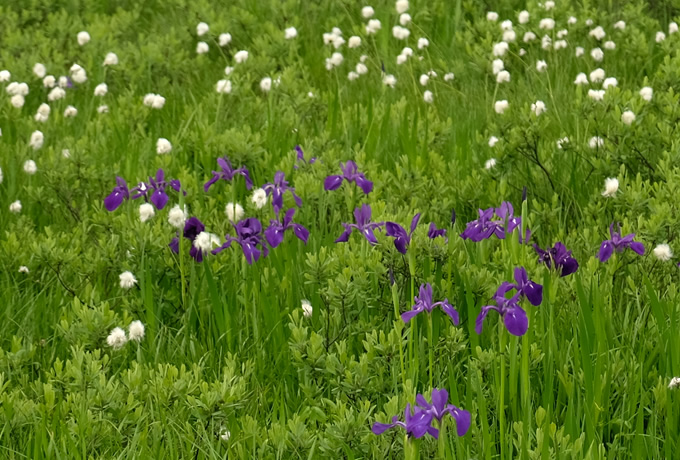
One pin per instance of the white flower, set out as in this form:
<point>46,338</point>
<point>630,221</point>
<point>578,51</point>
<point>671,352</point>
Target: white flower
<point>541,66</point>
<point>15,88</point>
<point>224,39</point>
<point>259,198</point>
<point>336,59</point>
<point>509,36</point>
<point>307,308</point>
<point>562,33</point>
<point>15,207</point>
<point>127,280</point>
<point>579,51</point>
<point>202,48</point>
<point>581,79</point>
<point>490,164</point>
<point>672,28</point>
<point>158,101</point>
<point>290,33</point>
<point>202,28</point>
<point>492,16</point>
<point>234,212</point>
<point>361,68</point>
<point>663,252</point>
<point>223,87</point>
<point>225,435</point>
<point>597,75</point>
<point>401,59</point>
<point>501,106</point>
<point>401,6</point>
<point>529,37</point>
<point>367,12</point>
<point>83,37</point>
<point>17,101</point>
<point>646,93</point>
<point>241,57</point>
<point>609,45</point>
<point>354,41</point>
<point>66,153</point>
<point>5,75</point>
<point>148,99</point>
<point>56,94</point>
<point>423,43</point>
<point>538,107</point>
<point>163,146</point>
<point>23,269</point>
<point>146,211</point>
<point>136,331</point>
<point>101,90</point>
<point>560,142</point>
<point>549,5</point>
<point>116,339</point>
<point>595,142</point>
<point>39,70</point>
<point>493,140</point>
<point>266,84</point>
<point>547,24</point>
<point>497,65</point>
<point>546,42</point>
<point>63,81</point>
<point>560,44</point>
<point>37,140</point>
<point>597,54</point>
<point>177,217</point>
<point>506,25</point>
<point>628,117</point>
<point>373,26</point>
<point>228,70</point>
<point>523,17</point>
<point>611,81</point>
<point>428,97</point>
<point>572,20</point>
<point>103,108</point>
<point>49,81</point>
<point>620,25</point>
<point>111,59</point>
<point>597,33</point>
<point>352,75</point>
<point>596,94</point>
<point>43,113</point>
<point>611,186</point>
<point>405,19</point>
<point>660,36</point>
<point>675,383</point>
<point>78,74</point>
<point>337,41</point>
<point>449,76</point>
<point>205,242</point>
<point>499,49</point>
<point>503,76</point>
<point>389,80</point>
<point>400,33</point>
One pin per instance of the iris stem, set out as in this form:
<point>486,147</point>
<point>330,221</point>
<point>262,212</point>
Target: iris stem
<point>501,408</point>
<point>430,346</point>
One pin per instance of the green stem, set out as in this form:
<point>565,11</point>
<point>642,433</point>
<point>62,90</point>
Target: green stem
<point>430,347</point>
<point>501,406</point>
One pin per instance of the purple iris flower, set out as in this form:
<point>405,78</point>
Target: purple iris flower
<point>439,408</point>
<point>525,287</point>
<point>228,173</point>
<point>277,188</point>
<point>619,243</point>
<point>301,157</point>
<point>192,227</point>
<point>514,317</point>
<point>249,236</point>
<point>276,229</point>
<point>486,226</point>
<point>402,238</point>
<point>157,186</point>
<point>350,173</point>
<point>559,256</point>
<point>423,302</point>
<point>363,224</point>
<point>416,424</point>
<point>120,192</point>
<point>433,232</point>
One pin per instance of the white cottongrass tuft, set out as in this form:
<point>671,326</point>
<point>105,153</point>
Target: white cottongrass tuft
<point>15,207</point>
<point>234,212</point>
<point>660,36</point>
<point>223,86</point>
<point>492,16</point>
<point>579,51</point>
<point>224,39</point>
<point>500,48</point>
<point>39,70</point>
<point>225,435</point>
<point>389,80</point>
<point>509,36</point>
<point>672,28</point>
<point>674,383</point>
<point>497,65</point>
<point>646,93</point>
<point>529,37</point>
<point>307,309</point>
<point>538,107</point>
<point>103,108</point>
<point>609,45</point>
<point>560,44</point>
<point>110,59</point>
<point>628,117</point>
<point>597,75</point>
<point>501,106</point>
<point>202,48</point>
<point>241,56</point>
<point>428,96</point>
<point>259,198</point>
<point>449,76</point>
<point>663,252</point>
<point>352,75</point>
<point>136,331</point>
<point>523,17</point>
<point>581,79</point>
<point>266,84</point>
<point>546,42</point>
<point>177,216</point>
<point>373,26</point>
<point>334,61</point>
<point>595,142</point>
<point>620,25</point>
<point>405,19</point>
<point>400,33</point>
<point>547,24</point>
<point>610,82</point>
<point>503,76</point>
<point>493,140</point>
<point>423,43</point>
<point>49,82</point>
<point>146,212</point>
<point>202,28</point>
<point>424,79</point>
<point>101,89</point>
<point>127,280</point>
<point>506,25</point>
<point>56,94</point>
<point>611,186</point>
<point>597,33</point>
<point>549,5</point>
<point>78,74</point>
<point>367,12</point>
<point>83,37</point>
<point>354,42</point>
<point>116,339</point>
<point>597,54</point>
<point>541,66</point>
<point>205,242</point>
<point>163,146</point>
<point>23,269</point>
<point>596,94</point>
<point>30,167</point>
<point>5,75</point>
<point>17,101</point>
<point>37,140</point>
<point>490,164</point>
<point>401,6</point>
<point>43,113</point>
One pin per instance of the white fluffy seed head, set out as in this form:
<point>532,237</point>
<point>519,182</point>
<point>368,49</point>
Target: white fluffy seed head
<point>428,97</point>
<point>523,17</point>
<point>492,16</point>
<point>202,48</point>
<point>538,107</point>
<point>672,28</point>
<point>660,36</point>
<point>83,37</point>
<point>501,106</point>
<point>541,66</point>
<point>596,94</point>
<point>39,70</point>
<point>30,167</point>
<point>202,28</point>
<point>177,216</point>
<point>101,89</point>
<point>490,164</point>
<point>117,339</point>
<point>205,241</point>
<point>158,101</point>
<point>37,140</point>
<point>424,79</point>
<point>628,117</point>
<point>17,101</point>
<point>493,140</point>
<point>361,68</point>
<point>423,43</point>
<point>367,12</point>
<point>547,24</point>
<point>674,383</point>
<point>610,82</point>
<point>597,33</point>
<point>224,39</point>
<point>259,198</point>
<point>500,48</point>
<point>56,93</point>
<point>401,6</point>
<point>597,54</point>
<point>503,76</point>
<point>146,212</point>
<point>163,146</point>
<point>611,186</point>
<point>103,108</point>
<point>15,207</point>
<point>24,269</point>
<point>127,280</point>
<point>5,75</point>
<point>663,252</point>
<point>620,25</point>
<point>223,86</point>
<point>307,309</point>
<point>290,33</point>
<point>136,331</point>
<point>646,93</point>
<point>49,81</point>
<point>581,79</point>
<point>266,84</point>
<point>234,212</point>
<point>595,142</point>
<point>110,59</point>
<point>389,80</point>
<point>241,57</point>
<point>597,75</point>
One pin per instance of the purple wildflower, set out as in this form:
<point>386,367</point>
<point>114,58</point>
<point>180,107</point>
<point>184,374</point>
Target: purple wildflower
<point>416,424</point>
<point>350,173</point>
<point>559,256</point>
<point>118,195</point>
<point>277,188</point>
<point>402,238</point>
<point>619,243</point>
<point>525,287</point>
<point>486,226</point>
<point>301,157</point>
<point>439,408</point>
<point>227,173</point>
<point>423,302</point>
<point>433,232</point>
<point>249,236</point>
<point>157,186</point>
<point>514,317</point>
<point>363,224</point>
<point>192,227</point>
<point>276,229</point>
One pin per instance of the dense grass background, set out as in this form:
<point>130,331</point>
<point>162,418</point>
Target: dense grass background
<point>227,346</point>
